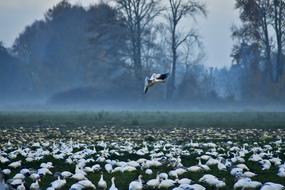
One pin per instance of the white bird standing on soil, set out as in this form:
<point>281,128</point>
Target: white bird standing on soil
<point>154,79</point>
<point>20,187</point>
<point>113,186</point>
<point>86,183</point>
<point>15,164</point>
<point>3,185</point>
<point>136,185</point>
<point>102,183</point>
<point>269,186</point>
<point>153,183</point>
<point>245,183</point>
<point>59,183</point>
<point>212,181</point>
<point>35,185</point>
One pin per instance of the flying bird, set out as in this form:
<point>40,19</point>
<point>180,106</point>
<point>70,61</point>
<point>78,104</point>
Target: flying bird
<point>154,79</point>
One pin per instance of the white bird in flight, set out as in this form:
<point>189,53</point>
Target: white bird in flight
<point>154,79</point>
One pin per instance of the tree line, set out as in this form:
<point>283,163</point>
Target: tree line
<point>259,47</point>
<point>103,52</point>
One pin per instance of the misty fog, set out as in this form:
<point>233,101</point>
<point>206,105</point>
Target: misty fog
<point>97,58</point>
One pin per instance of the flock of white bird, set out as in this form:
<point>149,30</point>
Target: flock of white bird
<point>157,164</point>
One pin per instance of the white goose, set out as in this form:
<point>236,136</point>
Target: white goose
<point>221,166</point>
<point>59,183</point>
<point>154,79</point>
<point>109,168</point>
<point>87,184</point>
<point>203,166</point>
<point>249,174</point>
<point>148,171</point>
<point>76,186</point>
<point>20,187</point>
<point>3,185</point>
<point>246,183</point>
<point>35,185</point>
<point>66,174</point>
<point>184,181</point>
<point>153,183</point>
<point>113,186</point>
<point>15,164</point>
<point>6,171</point>
<point>136,185</point>
<point>78,176</point>
<point>270,186</point>
<point>19,176</point>
<point>281,172</point>
<point>194,169</point>
<point>102,183</point>
<point>212,181</point>
<point>167,183</point>
<point>196,187</point>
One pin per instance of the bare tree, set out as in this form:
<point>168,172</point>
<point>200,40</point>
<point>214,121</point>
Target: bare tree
<point>264,16</point>
<point>138,15</point>
<point>278,22</point>
<point>259,17</point>
<point>256,18</point>
<point>179,9</point>
<point>193,52</point>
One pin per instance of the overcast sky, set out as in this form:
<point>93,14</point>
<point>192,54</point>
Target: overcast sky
<point>215,29</point>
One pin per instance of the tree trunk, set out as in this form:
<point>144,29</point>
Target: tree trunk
<point>268,67</point>
<point>137,60</point>
<point>278,9</point>
<point>171,86</point>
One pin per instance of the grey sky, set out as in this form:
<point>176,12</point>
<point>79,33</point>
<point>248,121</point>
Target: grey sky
<point>215,29</point>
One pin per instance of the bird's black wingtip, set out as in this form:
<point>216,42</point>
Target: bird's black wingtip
<point>167,74</point>
<point>145,90</point>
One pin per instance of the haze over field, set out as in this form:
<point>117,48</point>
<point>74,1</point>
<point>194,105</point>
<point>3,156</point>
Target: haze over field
<point>90,53</point>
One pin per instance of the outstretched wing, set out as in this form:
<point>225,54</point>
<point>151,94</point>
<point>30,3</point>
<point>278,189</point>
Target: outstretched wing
<point>145,89</point>
<point>163,76</point>
<point>154,76</point>
<point>146,84</point>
